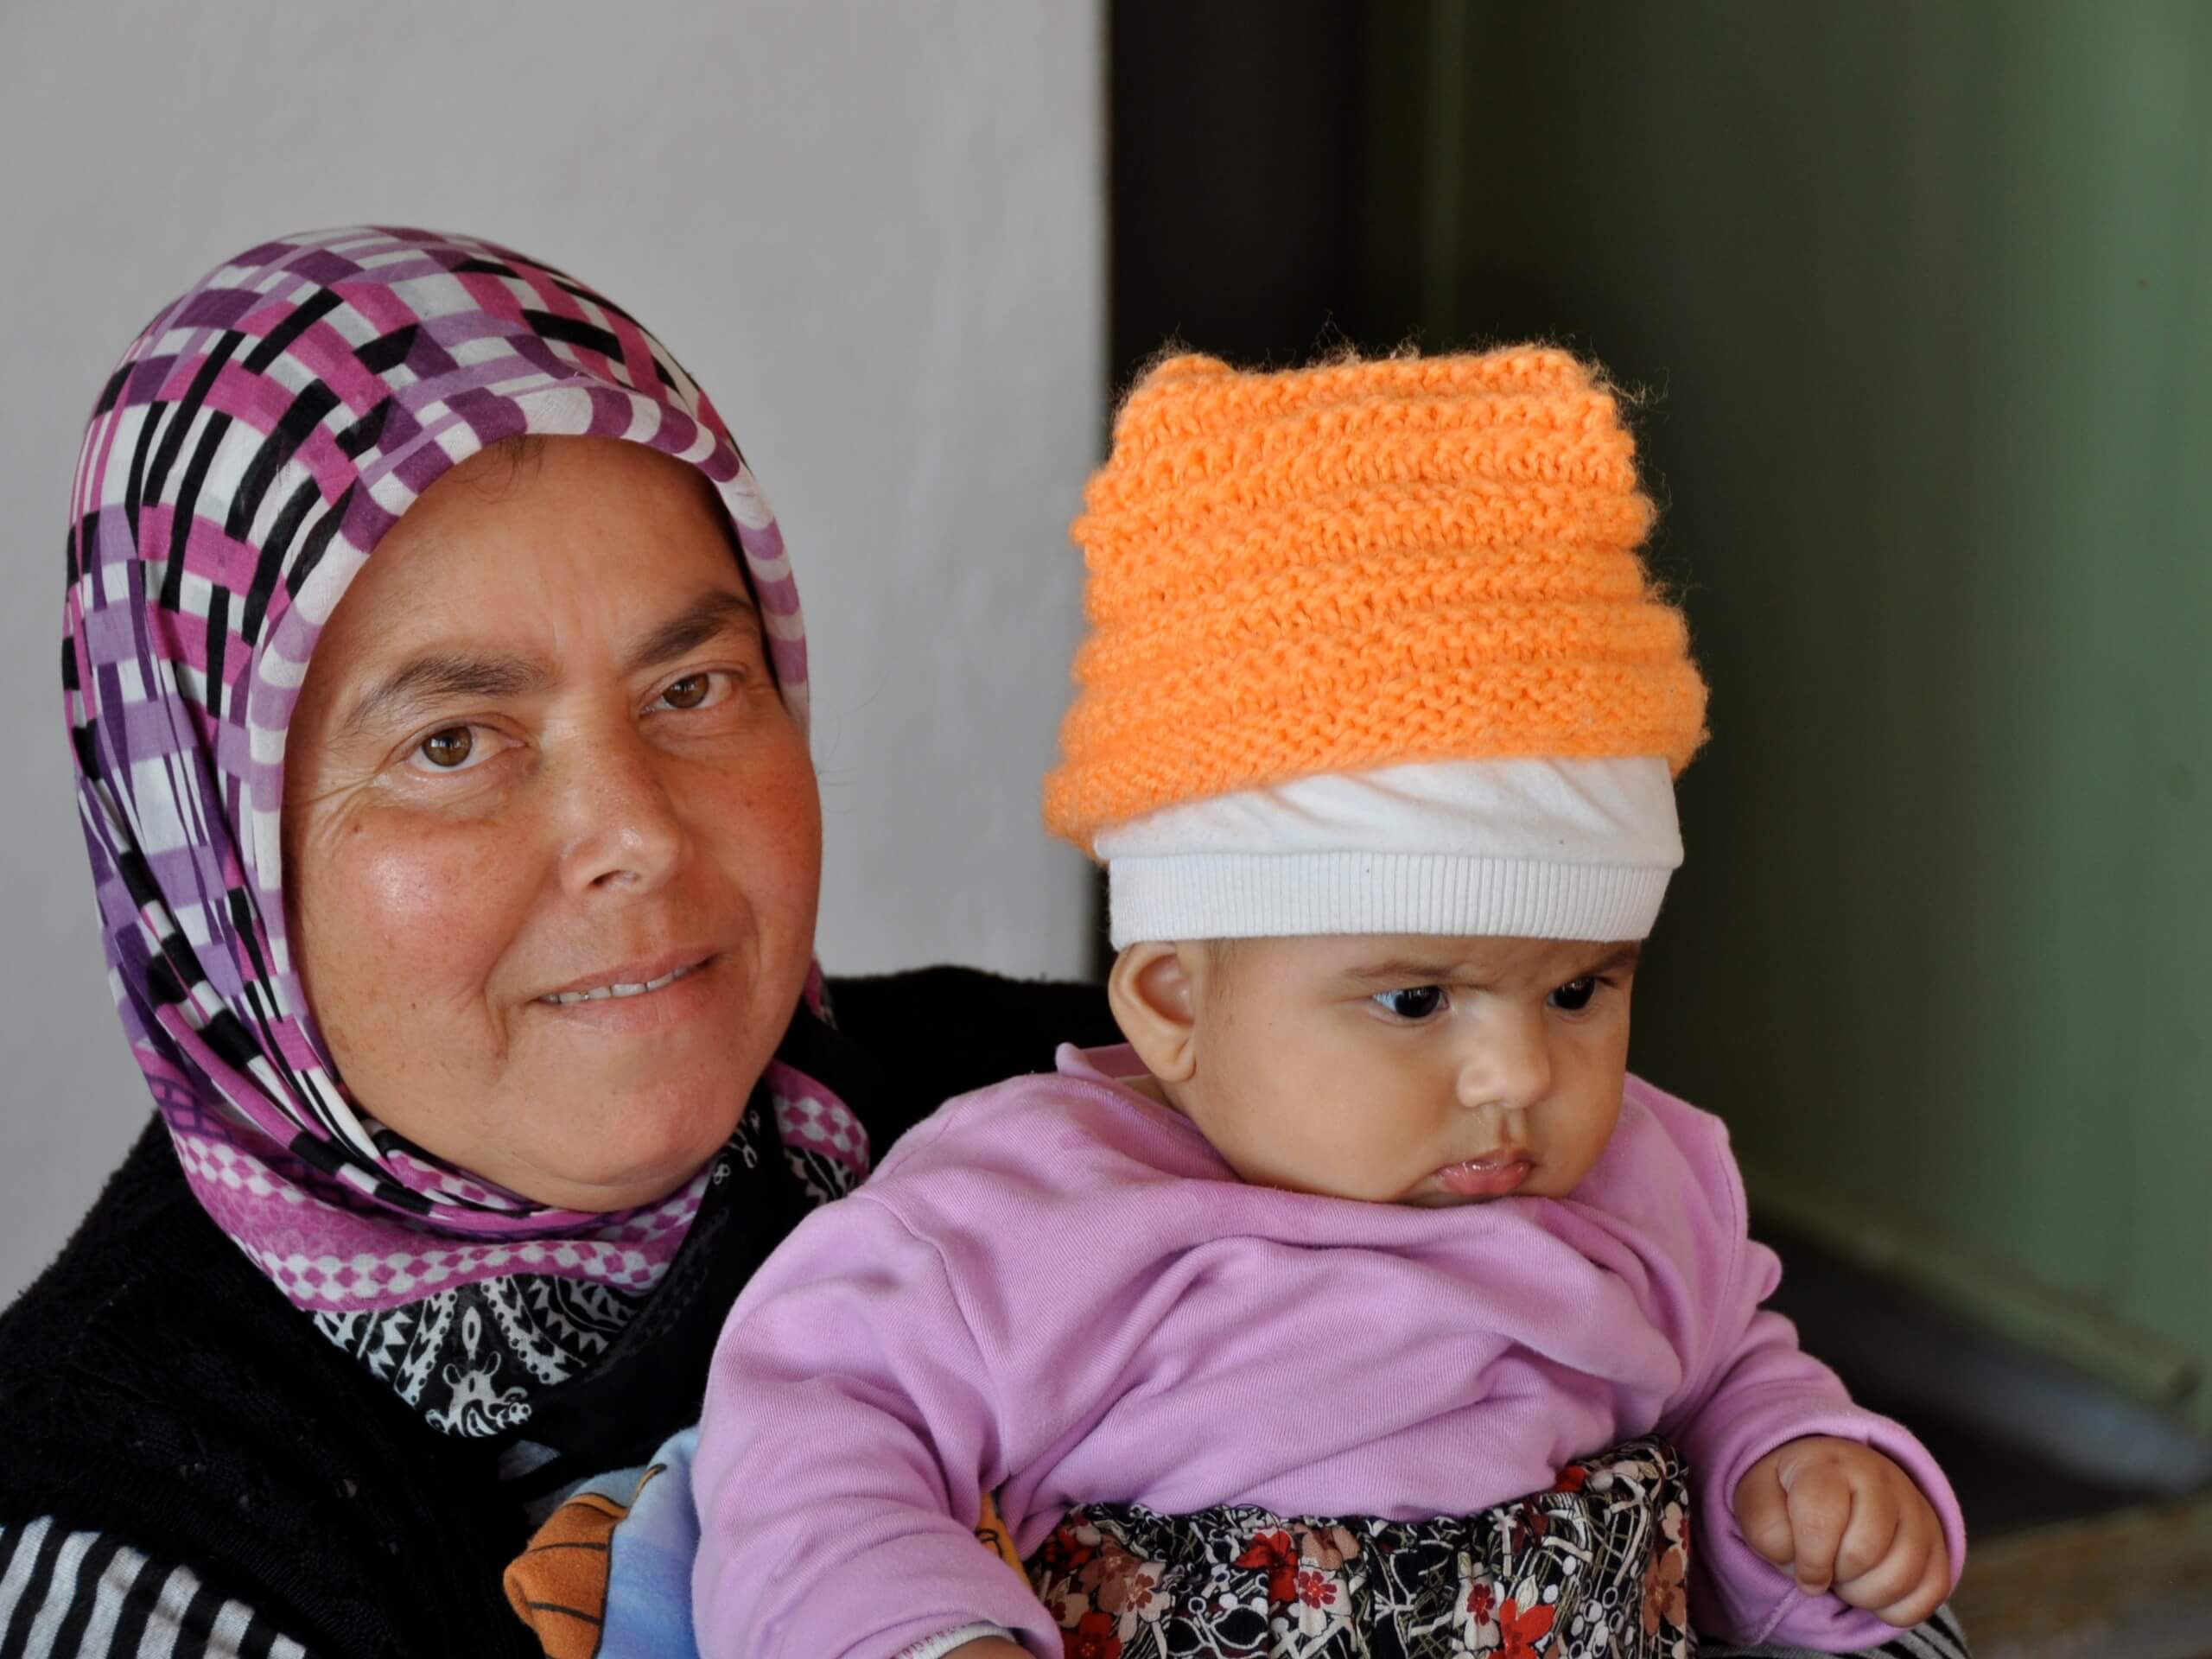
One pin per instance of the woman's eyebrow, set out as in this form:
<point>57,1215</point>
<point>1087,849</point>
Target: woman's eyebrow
<point>438,677</point>
<point>445,676</point>
<point>707,615</point>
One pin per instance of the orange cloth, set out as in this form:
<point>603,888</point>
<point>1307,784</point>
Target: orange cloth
<point>558,1586</point>
<point>1361,565</point>
<point>991,1533</point>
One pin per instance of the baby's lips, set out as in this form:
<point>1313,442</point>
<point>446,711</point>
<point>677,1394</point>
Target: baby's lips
<point>1491,1176</point>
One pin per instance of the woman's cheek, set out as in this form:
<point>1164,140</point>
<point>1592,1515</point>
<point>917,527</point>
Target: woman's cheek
<point>764,822</point>
<point>421,917</point>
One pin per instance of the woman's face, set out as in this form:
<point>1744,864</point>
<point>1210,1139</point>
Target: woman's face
<point>539,762</point>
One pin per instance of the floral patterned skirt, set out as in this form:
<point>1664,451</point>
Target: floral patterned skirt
<point>1596,1567</point>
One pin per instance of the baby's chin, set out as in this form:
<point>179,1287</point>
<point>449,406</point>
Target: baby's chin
<point>1432,1199</point>
<point>1427,1193</point>
<point>1425,1200</point>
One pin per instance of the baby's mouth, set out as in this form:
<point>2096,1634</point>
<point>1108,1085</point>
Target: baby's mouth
<point>1491,1176</point>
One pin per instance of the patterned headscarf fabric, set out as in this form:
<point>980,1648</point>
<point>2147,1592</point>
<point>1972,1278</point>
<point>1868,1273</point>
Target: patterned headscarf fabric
<point>254,444</point>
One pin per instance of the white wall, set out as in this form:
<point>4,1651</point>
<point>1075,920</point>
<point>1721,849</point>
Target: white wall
<point>874,231</point>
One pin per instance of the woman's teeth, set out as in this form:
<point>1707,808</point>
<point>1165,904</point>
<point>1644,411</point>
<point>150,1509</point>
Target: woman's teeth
<point>601,992</point>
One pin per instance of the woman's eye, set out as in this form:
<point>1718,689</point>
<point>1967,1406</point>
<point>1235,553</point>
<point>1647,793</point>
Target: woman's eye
<point>701,690</point>
<point>448,750</point>
<point>1575,995</point>
<point>689,692</point>
<point>1413,1003</point>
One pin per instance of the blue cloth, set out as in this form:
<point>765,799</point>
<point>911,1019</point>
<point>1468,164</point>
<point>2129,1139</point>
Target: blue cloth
<point>648,1613</point>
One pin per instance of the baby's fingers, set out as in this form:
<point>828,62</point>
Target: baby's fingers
<point>1894,1575</point>
<point>1927,1595</point>
<point>1925,1598</point>
<point>1763,1513</point>
<point>1909,1581</point>
<point>1872,1537</point>
<point>1819,1513</point>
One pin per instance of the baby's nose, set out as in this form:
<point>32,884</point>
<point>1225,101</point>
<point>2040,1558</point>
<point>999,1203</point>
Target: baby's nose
<point>1510,1069</point>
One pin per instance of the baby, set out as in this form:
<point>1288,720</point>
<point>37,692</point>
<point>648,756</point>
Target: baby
<point>1328,1316</point>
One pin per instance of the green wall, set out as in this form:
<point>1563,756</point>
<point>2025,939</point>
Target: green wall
<point>1923,294</point>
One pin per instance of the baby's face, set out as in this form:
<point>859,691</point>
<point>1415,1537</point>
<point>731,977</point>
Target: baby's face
<point>1410,1070</point>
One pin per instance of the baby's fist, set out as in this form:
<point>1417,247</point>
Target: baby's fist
<point>1840,1515</point>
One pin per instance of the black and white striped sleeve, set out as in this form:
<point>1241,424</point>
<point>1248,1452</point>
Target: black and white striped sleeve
<point>88,1595</point>
<point>1938,1638</point>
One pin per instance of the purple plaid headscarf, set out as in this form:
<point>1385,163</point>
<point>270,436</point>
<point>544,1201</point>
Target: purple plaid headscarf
<point>254,444</point>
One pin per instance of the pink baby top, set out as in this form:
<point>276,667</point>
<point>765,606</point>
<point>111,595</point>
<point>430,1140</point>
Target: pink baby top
<point>1056,1290</point>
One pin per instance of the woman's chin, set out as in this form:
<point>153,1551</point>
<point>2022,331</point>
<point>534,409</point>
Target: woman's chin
<point>601,1166</point>
<point>602,1192</point>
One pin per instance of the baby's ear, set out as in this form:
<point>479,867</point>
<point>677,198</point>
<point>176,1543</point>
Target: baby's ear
<point>1155,1003</point>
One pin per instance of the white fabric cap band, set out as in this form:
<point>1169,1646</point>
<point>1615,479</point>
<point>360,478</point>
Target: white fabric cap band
<point>1521,848</point>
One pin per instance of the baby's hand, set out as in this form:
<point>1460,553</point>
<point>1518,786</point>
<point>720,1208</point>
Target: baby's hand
<point>1840,1515</point>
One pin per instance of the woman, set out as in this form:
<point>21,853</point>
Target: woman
<point>438,693</point>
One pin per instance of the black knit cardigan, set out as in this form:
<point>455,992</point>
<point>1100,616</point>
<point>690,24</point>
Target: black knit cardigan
<point>155,1387</point>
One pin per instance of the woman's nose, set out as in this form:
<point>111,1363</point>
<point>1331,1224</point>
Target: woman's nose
<point>1508,1065</point>
<point>622,828</point>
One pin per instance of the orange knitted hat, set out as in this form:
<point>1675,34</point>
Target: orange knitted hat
<point>1360,565</point>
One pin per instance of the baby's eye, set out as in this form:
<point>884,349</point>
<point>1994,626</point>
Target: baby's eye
<point>1575,995</point>
<point>1413,1003</point>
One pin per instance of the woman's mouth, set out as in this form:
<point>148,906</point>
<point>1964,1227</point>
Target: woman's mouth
<point>1491,1176</point>
<point>628,980</point>
<point>602,993</point>
<point>646,1001</point>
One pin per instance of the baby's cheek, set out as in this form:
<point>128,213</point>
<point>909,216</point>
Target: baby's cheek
<point>1580,1135</point>
<point>1271,1133</point>
<point>1364,1154</point>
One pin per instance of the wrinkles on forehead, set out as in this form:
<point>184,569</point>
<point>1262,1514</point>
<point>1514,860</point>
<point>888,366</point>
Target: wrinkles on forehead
<point>440,677</point>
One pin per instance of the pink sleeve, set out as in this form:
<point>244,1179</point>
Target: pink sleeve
<point>1756,1390</point>
<point>846,1440</point>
